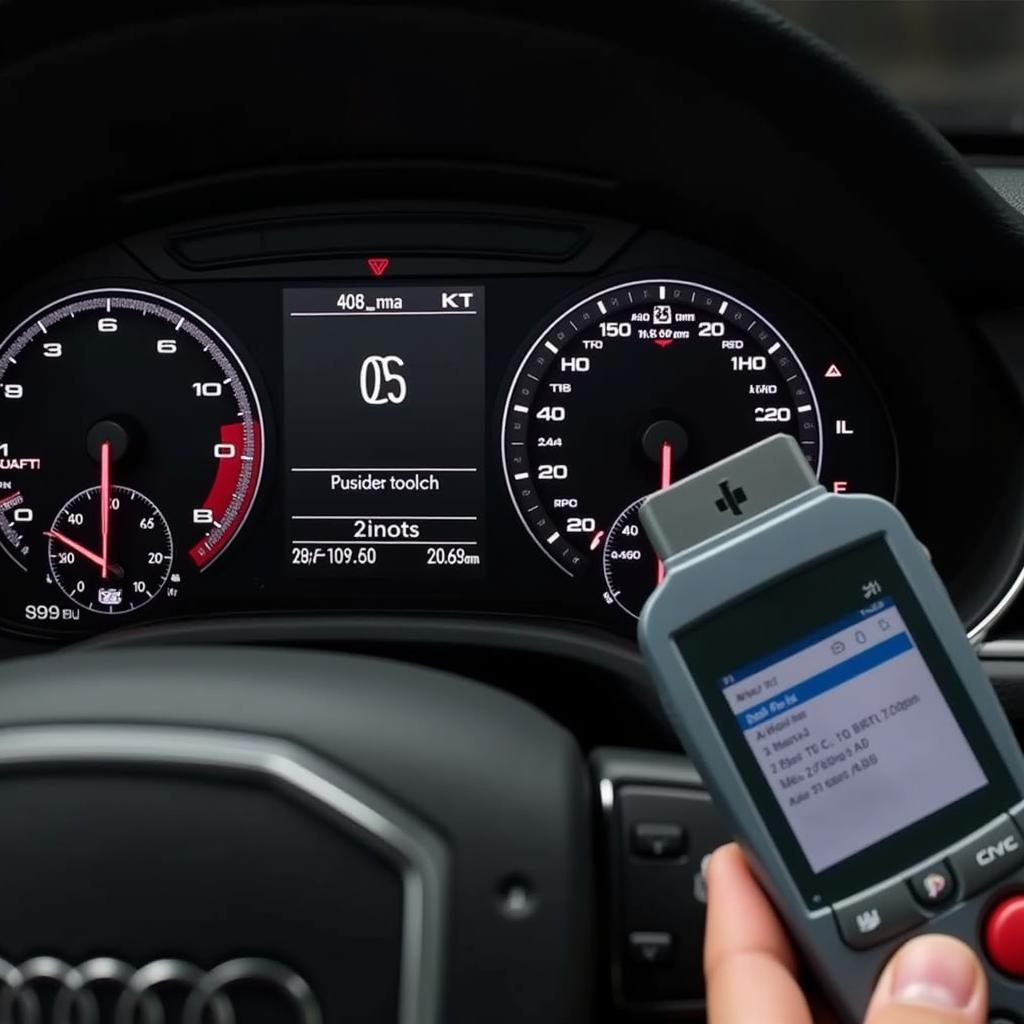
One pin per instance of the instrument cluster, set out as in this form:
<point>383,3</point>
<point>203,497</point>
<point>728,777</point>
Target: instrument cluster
<point>190,430</point>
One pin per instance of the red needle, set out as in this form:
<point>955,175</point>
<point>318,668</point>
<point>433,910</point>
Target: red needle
<point>666,481</point>
<point>75,546</point>
<point>105,506</point>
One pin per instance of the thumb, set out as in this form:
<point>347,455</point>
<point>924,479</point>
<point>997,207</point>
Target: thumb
<point>933,979</point>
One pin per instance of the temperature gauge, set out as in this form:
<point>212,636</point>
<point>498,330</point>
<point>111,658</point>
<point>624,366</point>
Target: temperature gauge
<point>130,564</point>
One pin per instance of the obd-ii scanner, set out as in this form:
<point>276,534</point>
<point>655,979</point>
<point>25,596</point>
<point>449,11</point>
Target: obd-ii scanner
<point>816,670</point>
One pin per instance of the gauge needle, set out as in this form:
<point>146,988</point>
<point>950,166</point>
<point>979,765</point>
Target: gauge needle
<point>105,507</point>
<point>75,546</point>
<point>666,481</point>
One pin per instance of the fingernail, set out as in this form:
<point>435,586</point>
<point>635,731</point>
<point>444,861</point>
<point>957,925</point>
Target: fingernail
<point>935,971</point>
<point>704,862</point>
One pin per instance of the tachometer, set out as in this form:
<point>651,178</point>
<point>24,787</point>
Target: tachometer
<point>130,436</point>
<point>640,385</point>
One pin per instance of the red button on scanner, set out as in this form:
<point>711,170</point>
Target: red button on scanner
<point>1004,936</point>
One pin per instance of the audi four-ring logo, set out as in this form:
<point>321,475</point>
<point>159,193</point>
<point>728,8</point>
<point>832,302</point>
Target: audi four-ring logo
<point>137,995</point>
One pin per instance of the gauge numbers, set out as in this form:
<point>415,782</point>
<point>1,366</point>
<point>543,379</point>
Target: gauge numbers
<point>644,383</point>
<point>135,396</point>
<point>635,386</point>
<point>104,578</point>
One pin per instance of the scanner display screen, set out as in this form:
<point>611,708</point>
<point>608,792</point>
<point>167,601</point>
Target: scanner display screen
<point>852,714</point>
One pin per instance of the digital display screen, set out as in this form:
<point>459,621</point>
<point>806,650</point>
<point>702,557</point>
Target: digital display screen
<point>384,431</point>
<point>841,708</point>
<point>851,714</point>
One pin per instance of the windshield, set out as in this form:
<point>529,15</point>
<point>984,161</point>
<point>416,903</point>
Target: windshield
<point>960,63</point>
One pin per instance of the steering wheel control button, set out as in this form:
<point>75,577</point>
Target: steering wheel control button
<point>988,855</point>
<point>658,894</point>
<point>652,949</point>
<point>865,921</point>
<point>658,840</point>
<point>1004,936</point>
<point>933,886</point>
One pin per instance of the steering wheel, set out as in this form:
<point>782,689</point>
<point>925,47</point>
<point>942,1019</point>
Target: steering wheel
<point>244,835</point>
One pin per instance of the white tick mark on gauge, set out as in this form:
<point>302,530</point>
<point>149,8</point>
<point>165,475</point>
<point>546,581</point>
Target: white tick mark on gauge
<point>548,345</point>
<point>775,348</point>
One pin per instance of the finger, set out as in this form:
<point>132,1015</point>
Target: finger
<point>740,918</point>
<point>749,966</point>
<point>933,979</point>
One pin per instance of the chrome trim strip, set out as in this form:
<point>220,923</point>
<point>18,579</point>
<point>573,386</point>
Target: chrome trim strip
<point>1001,649</point>
<point>363,812</point>
<point>606,789</point>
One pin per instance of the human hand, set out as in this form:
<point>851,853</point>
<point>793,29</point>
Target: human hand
<point>751,969</point>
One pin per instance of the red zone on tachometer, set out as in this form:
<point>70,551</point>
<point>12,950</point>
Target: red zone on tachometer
<point>228,488</point>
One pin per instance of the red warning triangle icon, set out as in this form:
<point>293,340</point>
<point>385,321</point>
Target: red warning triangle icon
<point>833,371</point>
<point>378,264</point>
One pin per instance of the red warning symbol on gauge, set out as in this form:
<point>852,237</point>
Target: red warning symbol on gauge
<point>378,264</point>
<point>833,371</point>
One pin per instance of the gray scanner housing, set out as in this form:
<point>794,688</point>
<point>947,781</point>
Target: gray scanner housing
<point>715,555</point>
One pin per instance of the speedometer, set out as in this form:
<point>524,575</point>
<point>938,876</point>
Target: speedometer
<point>642,384</point>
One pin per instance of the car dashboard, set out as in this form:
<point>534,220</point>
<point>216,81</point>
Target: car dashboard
<point>422,409</point>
